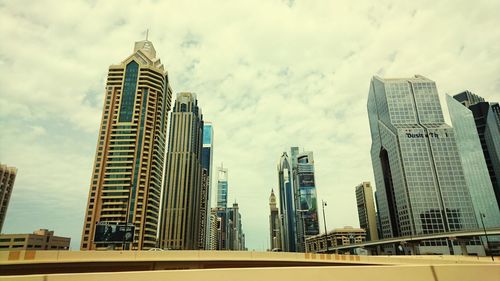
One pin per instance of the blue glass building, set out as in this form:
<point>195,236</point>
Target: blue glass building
<point>287,209</point>
<point>475,169</point>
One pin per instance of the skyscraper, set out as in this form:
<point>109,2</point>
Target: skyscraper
<point>126,181</point>
<point>475,169</point>
<point>287,210</point>
<point>182,200</point>
<point>366,210</point>
<point>222,187</point>
<point>274,223</point>
<point>306,202</point>
<point>7,178</point>
<point>235,235</point>
<point>213,230</point>
<point>420,181</point>
<point>487,119</point>
<point>206,187</point>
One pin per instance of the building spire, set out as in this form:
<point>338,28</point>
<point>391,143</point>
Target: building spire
<point>147,33</point>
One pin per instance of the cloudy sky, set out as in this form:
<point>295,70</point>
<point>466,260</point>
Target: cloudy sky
<point>268,74</point>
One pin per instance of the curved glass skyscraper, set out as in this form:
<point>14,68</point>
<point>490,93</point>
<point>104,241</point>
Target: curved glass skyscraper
<point>287,210</point>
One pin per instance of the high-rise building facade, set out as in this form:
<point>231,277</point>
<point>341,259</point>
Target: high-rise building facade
<point>366,210</point>
<point>235,235</point>
<point>420,181</point>
<point>127,174</point>
<point>474,164</point>
<point>487,119</point>
<point>306,202</point>
<point>213,230</point>
<point>206,187</point>
<point>7,178</point>
<point>180,222</point>
<point>287,209</point>
<point>274,224</point>
<point>222,187</point>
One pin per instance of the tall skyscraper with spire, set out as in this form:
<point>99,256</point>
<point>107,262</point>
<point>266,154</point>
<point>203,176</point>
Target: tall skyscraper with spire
<point>222,188</point>
<point>421,188</point>
<point>274,224</point>
<point>128,167</point>
<point>287,209</point>
<point>182,200</point>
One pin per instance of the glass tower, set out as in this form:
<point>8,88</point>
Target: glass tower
<point>127,174</point>
<point>206,180</point>
<point>221,187</point>
<point>287,209</point>
<point>306,201</point>
<point>420,181</point>
<point>475,169</point>
<point>487,119</point>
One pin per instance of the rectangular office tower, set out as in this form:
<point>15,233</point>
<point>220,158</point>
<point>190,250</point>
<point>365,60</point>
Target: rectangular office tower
<point>366,210</point>
<point>306,202</point>
<point>475,167</point>
<point>124,197</point>
<point>421,188</point>
<point>182,200</point>
<point>206,187</point>
<point>487,120</point>
<point>7,178</point>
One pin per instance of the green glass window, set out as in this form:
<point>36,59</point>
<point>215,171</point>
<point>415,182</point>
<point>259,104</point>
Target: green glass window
<point>128,98</point>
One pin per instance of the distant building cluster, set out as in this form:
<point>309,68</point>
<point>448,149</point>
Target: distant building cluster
<point>151,183</point>
<point>227,231</point>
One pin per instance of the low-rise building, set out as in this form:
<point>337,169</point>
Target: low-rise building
<point>41,239</point>
<point>344,236</point>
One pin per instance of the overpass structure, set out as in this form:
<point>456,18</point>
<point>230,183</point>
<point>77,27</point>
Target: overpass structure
<point>230,265</point>
<point>461,236</point>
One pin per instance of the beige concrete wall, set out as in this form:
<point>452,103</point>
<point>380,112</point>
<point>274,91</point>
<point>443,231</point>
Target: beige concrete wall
<point>386,273</point>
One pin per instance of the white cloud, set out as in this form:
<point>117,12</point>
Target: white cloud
<point>268,75</point>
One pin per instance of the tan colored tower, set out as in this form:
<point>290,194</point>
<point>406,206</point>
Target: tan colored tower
<point>181,207</point>
<point>7,178</point>
<point>128,168</point>
<point>274,224</point>
<point>366,210</point>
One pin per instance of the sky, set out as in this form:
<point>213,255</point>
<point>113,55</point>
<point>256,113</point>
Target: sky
<point>268,74</point>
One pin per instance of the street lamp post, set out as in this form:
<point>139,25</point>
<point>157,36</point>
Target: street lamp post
<point>323,203</point>
<point>481,215</point>
<point>324,217</point>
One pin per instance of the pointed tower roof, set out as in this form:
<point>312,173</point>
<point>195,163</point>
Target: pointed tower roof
<point>147,48</point>
<point>272,199</point>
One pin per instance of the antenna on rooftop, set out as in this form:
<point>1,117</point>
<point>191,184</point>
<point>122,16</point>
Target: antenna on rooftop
<point>147,33</point>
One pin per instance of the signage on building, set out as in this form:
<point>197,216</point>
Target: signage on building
<point>308,204</point>
<point>113,233</point>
